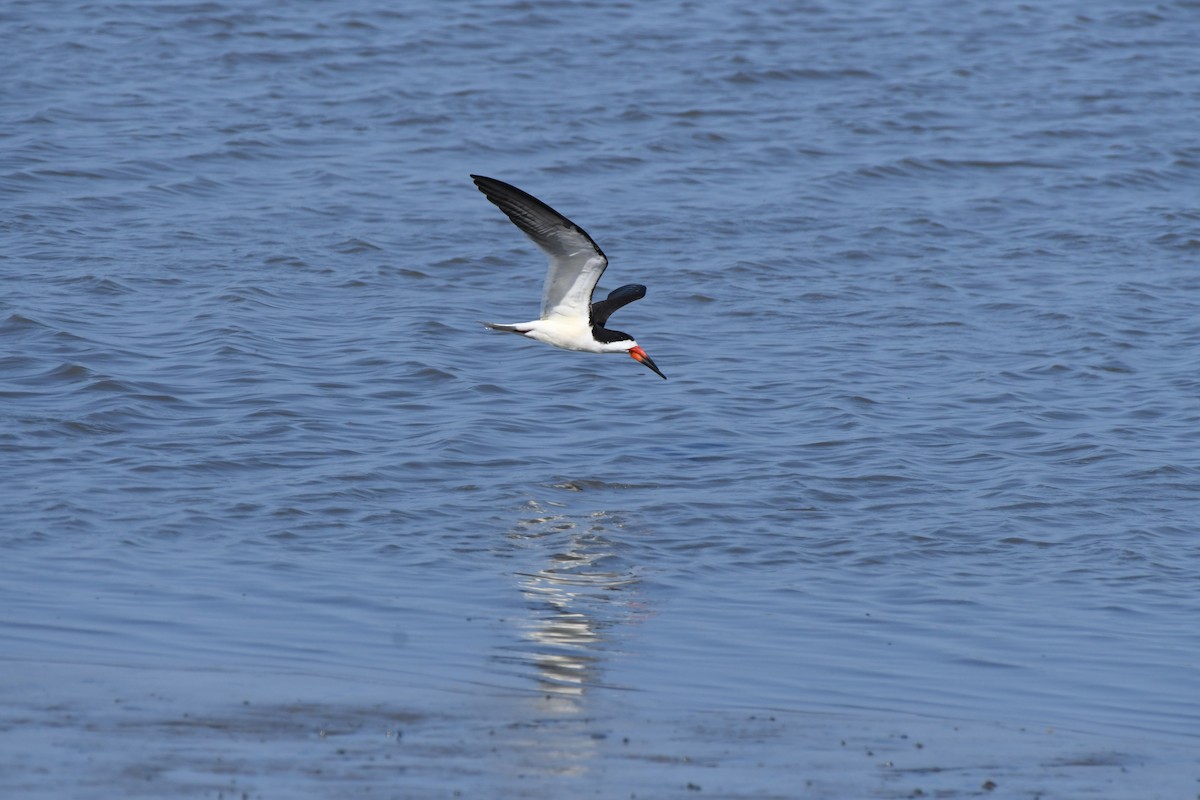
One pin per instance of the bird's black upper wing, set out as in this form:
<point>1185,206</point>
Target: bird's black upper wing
<point>616,299</point>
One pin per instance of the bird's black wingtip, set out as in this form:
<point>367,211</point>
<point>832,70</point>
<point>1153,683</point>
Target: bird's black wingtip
<point>626,294</point>
<point>495,190</point>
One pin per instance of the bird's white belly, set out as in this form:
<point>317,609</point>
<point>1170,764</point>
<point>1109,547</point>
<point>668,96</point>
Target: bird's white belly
<point>569,333</point>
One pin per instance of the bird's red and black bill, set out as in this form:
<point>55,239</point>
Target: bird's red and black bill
<point>639,355</point>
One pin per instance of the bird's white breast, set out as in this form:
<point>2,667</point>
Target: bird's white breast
<point>571,333</point>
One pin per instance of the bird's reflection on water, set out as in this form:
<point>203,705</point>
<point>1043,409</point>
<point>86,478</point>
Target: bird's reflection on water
<point>580,590</point>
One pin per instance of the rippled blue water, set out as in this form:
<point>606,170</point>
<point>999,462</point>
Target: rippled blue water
<point>924,278</point>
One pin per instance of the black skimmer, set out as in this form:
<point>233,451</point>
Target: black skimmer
<point>570,319</point>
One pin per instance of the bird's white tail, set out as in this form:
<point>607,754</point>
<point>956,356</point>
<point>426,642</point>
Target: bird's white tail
<point>496,326</point>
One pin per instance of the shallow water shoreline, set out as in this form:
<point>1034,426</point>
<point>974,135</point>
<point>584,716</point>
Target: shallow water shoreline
<point>70,730</point>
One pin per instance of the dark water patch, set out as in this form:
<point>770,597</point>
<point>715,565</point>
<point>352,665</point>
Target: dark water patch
<point>798,74</point>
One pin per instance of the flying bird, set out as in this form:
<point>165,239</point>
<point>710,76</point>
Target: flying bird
<point>569,319</point>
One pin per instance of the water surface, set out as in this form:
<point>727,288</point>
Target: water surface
<point>280,517</point>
